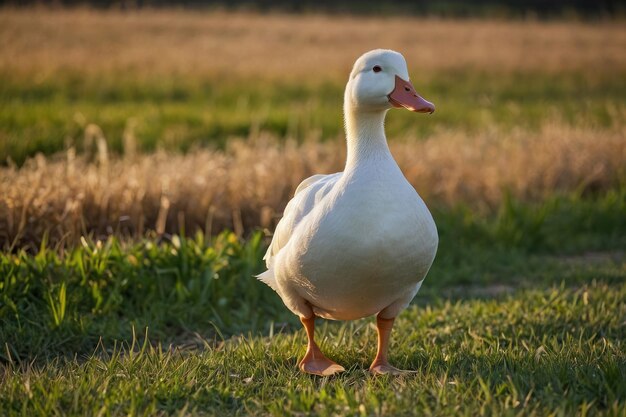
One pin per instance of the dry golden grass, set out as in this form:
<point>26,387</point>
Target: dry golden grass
<point>44,43</point>
<point>249,183</point>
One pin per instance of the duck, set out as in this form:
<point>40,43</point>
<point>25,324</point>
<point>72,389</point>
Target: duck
<point>360,242</point>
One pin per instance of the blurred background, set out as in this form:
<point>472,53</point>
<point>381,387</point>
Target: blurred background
<point>128,118</point>
<point>448,8</point>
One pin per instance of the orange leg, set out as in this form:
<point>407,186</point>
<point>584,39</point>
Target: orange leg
<point>381,365</point>
<point>314,361</point>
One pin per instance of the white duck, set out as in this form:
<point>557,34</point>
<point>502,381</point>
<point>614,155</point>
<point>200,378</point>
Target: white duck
<point>358,242</point>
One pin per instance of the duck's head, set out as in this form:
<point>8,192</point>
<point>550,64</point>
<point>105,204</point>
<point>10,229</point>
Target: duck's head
<point>379,81</point>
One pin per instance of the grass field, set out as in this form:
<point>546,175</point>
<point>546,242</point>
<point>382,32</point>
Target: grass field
<point>130,141</point>
<point>220,75</point>
<point>497,331</point>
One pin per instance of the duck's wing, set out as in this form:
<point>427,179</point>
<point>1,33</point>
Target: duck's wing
<point>309,193</point>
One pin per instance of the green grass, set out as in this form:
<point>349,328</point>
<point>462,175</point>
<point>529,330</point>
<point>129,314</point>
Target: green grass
<point>510,321</point>
<point>177,114</point>
<point>541,352</point>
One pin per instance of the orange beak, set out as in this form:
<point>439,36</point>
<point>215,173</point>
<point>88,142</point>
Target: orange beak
<point>404,95</point>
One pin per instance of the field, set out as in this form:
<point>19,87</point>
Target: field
<point>147,156</point>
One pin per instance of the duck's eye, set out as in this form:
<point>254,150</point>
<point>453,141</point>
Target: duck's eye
<point>377,68</point>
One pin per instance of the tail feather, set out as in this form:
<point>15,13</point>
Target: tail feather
<point>268,278</point>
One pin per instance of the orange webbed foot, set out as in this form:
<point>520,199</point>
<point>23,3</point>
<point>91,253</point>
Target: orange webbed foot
<point>314,361</point>
<point>384,368</point>
<point>321,366</point>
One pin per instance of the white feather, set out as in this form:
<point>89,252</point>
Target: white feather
<point>357,242</point>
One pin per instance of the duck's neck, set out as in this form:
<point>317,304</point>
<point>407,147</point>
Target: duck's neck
<point>365,134</point>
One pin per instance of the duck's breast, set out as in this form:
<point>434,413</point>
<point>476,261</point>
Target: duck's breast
<point>367,245</point>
